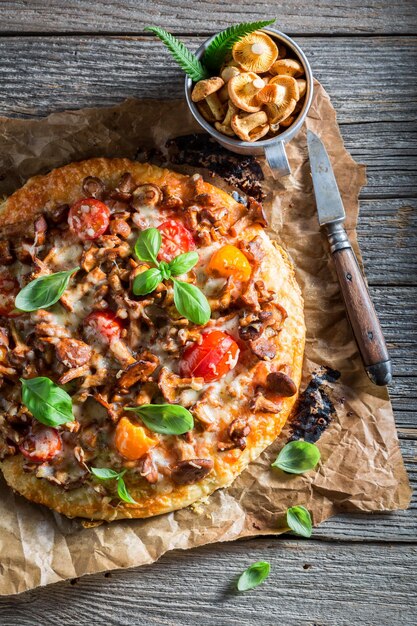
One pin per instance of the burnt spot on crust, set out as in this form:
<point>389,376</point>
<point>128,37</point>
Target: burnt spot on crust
<point>200,150</point>
<point>314,410</point>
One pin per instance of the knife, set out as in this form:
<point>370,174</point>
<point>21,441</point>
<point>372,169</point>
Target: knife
<point>360,310</point>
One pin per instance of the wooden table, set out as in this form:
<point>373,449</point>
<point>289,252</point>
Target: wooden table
<point>356,569</point>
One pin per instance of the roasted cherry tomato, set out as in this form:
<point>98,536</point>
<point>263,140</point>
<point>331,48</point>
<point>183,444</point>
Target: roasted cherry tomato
<point>89,218</point>
<point>103,325</point>
<point>213,357</point>
<point>176,239</point>
<point>9,288</point>
<point>42,444</point>
<point>131,440</point>
<point>229,261</point>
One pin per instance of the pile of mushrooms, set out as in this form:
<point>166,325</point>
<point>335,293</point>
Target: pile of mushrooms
<point>259,92</point>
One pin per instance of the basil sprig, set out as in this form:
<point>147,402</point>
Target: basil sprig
<point>47,402</point>
<point>299,521</point>
<point>104,473</point>
<point>253,576</point>
<point>44,291</point>
<point>297,457</point>
<point>188,299</point>
<point>166,419</point>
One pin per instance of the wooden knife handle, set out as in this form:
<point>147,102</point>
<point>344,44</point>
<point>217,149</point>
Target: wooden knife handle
<point>361,312</point>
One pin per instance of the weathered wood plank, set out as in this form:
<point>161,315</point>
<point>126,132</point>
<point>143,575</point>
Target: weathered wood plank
<point>387,232</point>
<point>39,75</point>
<point>310,584</point>
<point>128,16</point>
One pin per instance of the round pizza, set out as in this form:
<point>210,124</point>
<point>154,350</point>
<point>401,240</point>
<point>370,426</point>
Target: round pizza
<point>151,339</point>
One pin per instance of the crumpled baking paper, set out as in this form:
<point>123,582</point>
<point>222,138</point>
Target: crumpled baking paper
<point>361,468</point>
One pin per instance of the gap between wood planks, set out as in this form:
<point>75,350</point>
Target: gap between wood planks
<point>206,34</point>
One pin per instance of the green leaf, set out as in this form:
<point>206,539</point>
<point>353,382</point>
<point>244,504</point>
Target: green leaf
<point>224,41</point>
<point>148,244</point>
<point>167,419</point>
<point>165,270</point>
<point>104,473</point>
<point>299,520</point>
<point>43,292</point>
<point>183,263</point>
<point>146,281</point>
<point>297,457</point>
<point>185,59</point>
<point>123,493</point>
<point>191,302</point>
<point>253,576</point>
<point>47,402</point>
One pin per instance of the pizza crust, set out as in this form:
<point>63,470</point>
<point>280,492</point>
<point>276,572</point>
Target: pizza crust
<point>62,186</point>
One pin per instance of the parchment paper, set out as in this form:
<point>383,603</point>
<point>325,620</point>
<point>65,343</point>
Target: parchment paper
<point>361,467</point>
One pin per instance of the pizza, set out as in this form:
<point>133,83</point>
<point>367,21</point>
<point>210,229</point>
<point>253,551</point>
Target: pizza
<point>151,339</point>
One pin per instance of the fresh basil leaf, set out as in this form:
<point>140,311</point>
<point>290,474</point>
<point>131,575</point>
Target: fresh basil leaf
<point>44,291</point>
<point>165,270</point>
<point>299,520</point>
<point>191,302</point>
<point>253,576</point>
<point>167,419</point>
<point>297,457</point>
<point>147,281</point>
<point>123,493</point>
<point>47,402</point>
<point>104,473</point>
<point>148,244</point>
<point>183,263</point>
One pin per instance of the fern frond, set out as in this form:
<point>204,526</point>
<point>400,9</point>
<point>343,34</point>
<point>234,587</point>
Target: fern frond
<point>224,41</point>
<point>184,57</point>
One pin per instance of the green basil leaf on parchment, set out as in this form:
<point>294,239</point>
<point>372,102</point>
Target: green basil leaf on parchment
<point>183,263</point>
<point>253,576</point>
<point>166,419</point>
<point>148,244</point>
<point>297,457</point>
<point>299,521</point>
<point>47,402</point>
<point>44,291</point>
<point>146,281</point>
<point>191,302</point>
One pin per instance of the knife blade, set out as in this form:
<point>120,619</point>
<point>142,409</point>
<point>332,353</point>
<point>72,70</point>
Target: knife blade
<point>359,308</point>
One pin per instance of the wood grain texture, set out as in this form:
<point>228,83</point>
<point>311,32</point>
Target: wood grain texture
<point>39,75</point>
<point>362,315</point>
<point>180,16</point>
<point>311,584</point>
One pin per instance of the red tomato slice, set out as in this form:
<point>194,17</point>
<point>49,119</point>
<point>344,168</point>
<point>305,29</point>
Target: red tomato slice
<point>42,444</point>
<point>176,239</point>
<point>211,359</point>
<point>103,325</point>
<point>9,288</point>
<point>89,218</point>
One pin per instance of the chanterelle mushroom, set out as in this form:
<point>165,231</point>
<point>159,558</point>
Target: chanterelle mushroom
<point>286,99</point>
<point>225,126</point>
<point>206,87</point>
<point>250,127</point>
<point>255,52</point>
<point>243,90</point>
<point>287,67</point>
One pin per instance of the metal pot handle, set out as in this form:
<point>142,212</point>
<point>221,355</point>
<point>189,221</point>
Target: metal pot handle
<point>277,159</point>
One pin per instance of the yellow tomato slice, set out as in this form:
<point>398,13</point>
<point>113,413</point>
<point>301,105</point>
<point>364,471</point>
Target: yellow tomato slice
<point>131,440</point>
<point>229,261</point>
